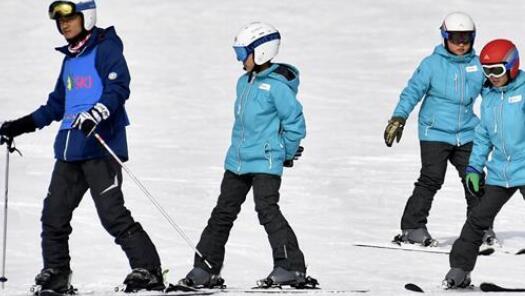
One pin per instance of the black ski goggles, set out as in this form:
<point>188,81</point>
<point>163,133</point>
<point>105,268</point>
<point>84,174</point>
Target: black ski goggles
<point>457,38</point>
<point>60,9</point>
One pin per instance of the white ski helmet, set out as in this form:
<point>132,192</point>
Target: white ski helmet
<point>457,22</point>
<point>87,8</point>
<point>261,39</point>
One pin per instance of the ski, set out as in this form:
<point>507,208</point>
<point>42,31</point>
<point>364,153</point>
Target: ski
<point>407,247</point>
<point>287,290</point>
<point>520,252</point>
<point>37,291</point>
<point>418,248</point>
<point>415,288</point>
<point>53,293</point>
<point>489,287</point>
<point>486,252</point>
<point>300,291</point>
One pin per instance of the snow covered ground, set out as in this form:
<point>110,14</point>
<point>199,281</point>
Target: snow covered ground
<point>354,57</point>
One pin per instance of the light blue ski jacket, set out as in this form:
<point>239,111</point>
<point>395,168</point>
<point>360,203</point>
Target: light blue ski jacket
<point>501,133</point>
<point>448,85</point>
<point>269,122</point>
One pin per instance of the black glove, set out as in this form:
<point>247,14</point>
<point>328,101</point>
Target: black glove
<point>289,163</point>
<point>394,130</point>
<point>11,129</point>
<point>87,121</point>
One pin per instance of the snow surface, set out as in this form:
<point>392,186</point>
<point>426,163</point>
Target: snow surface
<point>354,56</point>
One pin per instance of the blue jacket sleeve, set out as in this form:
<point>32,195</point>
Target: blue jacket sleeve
<point>416,89</point>
<point>53,110</point>
<point>290,113</point>
<point>482,145</point>
<point>113,70</point>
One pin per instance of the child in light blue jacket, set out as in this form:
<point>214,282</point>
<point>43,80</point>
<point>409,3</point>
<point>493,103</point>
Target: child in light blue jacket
<point>268,128</point>
<point>501,133</point>
<point>448,81</point>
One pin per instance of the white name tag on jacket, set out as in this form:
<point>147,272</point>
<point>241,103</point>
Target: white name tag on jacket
<point>471,68</point>
<point>515,99</point>
<point>265,86</point>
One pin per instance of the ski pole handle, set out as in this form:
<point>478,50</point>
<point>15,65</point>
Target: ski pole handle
<point>152,199</point>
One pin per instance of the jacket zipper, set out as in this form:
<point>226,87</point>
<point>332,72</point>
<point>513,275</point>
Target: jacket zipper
<point>67,144</point>
<point>462,90</point>
<point>244,97</point>
<point>507,157</point>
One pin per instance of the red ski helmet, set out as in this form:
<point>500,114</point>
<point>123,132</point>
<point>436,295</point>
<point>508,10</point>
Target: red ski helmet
<point>501,51</point>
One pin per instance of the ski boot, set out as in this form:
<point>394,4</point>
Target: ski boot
<point>144,279</point>
<point>199,278</point>
<point>415,236</point>
<point>489,238</point>
<point>281,277</point>
<point>53,281</point>
<point>456,278</point>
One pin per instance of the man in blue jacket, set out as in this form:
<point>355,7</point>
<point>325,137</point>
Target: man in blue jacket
<point>500,134</point>
<point>89,96</point>
<point>448,81</point>
<point>269,125</point>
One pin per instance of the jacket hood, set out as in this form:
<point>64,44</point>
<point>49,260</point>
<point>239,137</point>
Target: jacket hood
<point>285,73</point>
<point>98,36</point>
<point>442,51</point>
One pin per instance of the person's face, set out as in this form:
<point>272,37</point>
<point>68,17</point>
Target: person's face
<point>499,81</point>
<point>460,48</point>
<point>70,26</point>
<point>249,64</point>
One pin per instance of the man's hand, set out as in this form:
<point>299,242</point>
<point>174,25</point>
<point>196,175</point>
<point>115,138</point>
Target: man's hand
<point>87,121</point>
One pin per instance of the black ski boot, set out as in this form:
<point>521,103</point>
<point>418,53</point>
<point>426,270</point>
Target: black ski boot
<point>144,279</point>
<point>53,281</point>
<point>456,278</point>
<point>281,277</point>
<point>418,236</point>
<point>199,278</point>
<point>489,238</point>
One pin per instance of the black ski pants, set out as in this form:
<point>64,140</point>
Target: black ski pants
<point>465,249</point>
<point>434,160</point>
<point>69,183</point>
<point>234,188</point>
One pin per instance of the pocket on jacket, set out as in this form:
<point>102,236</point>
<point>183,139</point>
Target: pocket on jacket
<point>268,154</point>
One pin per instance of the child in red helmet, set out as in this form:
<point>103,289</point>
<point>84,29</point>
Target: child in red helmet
<point>502,134</point>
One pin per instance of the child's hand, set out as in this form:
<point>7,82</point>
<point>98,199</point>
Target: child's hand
<point>394,130</point>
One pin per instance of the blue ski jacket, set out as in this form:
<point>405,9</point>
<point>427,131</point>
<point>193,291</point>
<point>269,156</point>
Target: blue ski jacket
<point>99,73</point>
<point>449,86</point>
<point>269,122</point>
<point>501,133</point>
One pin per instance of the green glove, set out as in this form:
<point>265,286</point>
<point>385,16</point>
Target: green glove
<point>472,180</point>
<point>394,130</point>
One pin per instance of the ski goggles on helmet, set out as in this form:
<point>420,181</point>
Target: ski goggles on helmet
<point>242,52</point>
<point>59,9</point>
<point>458,37</point>
<point>496,70</point>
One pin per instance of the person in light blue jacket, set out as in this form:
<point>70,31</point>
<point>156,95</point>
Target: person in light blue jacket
<point>500,134</point>
<point>269,126</point>
<point>448,81</point>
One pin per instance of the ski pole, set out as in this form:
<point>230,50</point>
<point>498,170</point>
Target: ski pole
<point>9,149</point>
<point>152,199</point>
